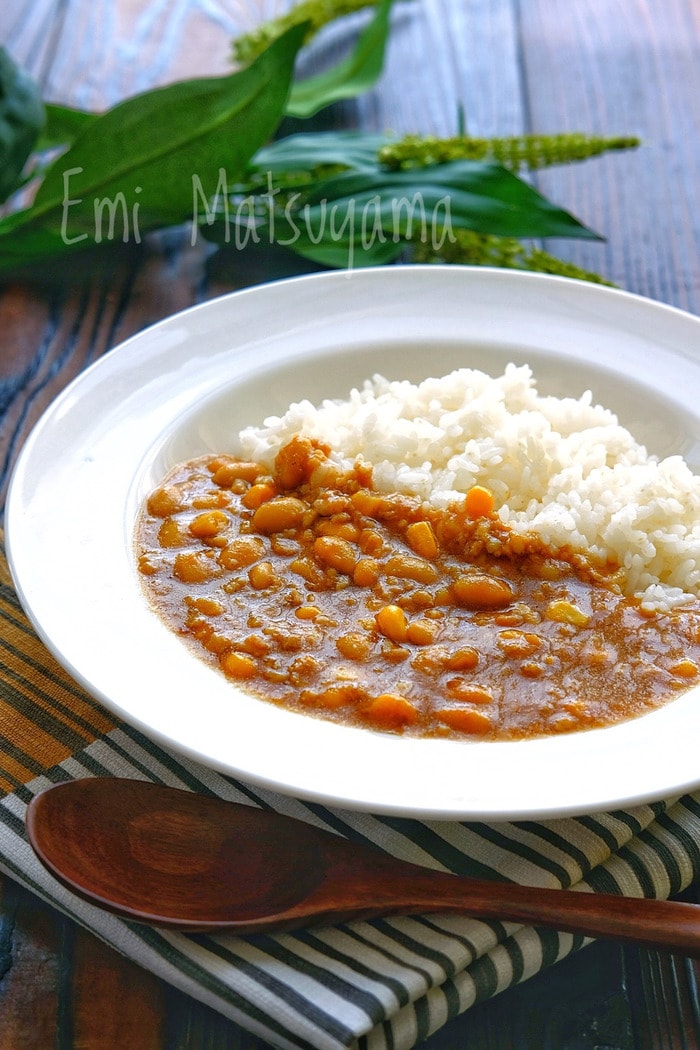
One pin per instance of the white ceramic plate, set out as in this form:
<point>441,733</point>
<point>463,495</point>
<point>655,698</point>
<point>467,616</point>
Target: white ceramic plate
<point>187,385</point>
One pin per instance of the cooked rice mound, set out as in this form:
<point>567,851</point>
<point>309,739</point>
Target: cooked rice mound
<point>562,468</point>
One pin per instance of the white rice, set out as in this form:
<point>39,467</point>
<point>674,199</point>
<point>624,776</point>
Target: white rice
<point>562,468</point>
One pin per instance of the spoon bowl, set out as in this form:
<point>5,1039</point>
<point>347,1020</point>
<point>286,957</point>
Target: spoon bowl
<point>195,863</point>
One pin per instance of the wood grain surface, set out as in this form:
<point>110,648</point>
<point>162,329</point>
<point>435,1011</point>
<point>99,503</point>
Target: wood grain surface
<point>507,66</point>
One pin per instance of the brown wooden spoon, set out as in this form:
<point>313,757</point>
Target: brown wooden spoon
<point>189,862</point>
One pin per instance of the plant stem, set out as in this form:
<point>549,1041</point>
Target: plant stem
<point>515,152</point>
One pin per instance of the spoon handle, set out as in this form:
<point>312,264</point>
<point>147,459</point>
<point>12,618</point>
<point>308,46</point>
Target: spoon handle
<point>666,925</point>
<point>404,889</point>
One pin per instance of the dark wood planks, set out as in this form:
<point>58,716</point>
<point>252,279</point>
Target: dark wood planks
<point>30,949</point>
<point>631,68</point>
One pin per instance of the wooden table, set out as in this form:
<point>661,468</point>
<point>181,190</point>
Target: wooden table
<point>630,67</point>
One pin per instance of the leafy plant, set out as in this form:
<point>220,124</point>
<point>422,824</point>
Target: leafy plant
<point>134,166</point>
<point>205,151</point>
<point>350,209</point>
<point>63,125</point>
<point>21,119</point>
<point>351,76</point>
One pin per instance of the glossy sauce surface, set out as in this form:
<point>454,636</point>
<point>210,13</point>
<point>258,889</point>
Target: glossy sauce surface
<point>313,591</point>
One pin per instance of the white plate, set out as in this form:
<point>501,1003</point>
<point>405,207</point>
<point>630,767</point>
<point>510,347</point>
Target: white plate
<point>187,385</point>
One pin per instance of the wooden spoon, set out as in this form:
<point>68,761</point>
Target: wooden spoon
<point>193,863</point>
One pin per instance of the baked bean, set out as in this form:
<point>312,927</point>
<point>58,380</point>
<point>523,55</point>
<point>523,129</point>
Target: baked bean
<point>206,606</point>
<point>242,551</point>
<point>309,571</point>
<point>258,495</point>
<point>292,463</point>
<point>147,566</point>
<point>368,503</point>
<point>210,523</point>
<point>194,567</point>
<point>463,659</point>
<point>344,530</point>
<point>391,621</point>
<point>463,689</point>
<point>216,643</point>
<point>336,553</point>
<point>238,665</point>
<point>334,696</point>
<point>476,590</point>
<point>164,501</point>
<point>226,472</point>
<point>371,542</point>
<point>211,501</point>
<point>355,646</point>
<point>171,534</point>
<point>421,601</point>
<point>421,632</point>
<point>393,653</point>
<point>303,669</point>
<point>279,514</point>
<point>518,643</point>
<point>255,645</point>
<point>263,575</point>
<point>366,572</point>
<point>531,669</point>
<point>406,567</point>
<point>391,711</point>
<point>466,720</point>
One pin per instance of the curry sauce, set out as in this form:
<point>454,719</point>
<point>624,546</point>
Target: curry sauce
<point>312,590</point>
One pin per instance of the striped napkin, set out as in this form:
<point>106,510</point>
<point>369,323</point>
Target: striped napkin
<point>366,985</point>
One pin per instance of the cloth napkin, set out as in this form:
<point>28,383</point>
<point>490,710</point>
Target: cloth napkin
<point>374,985</point>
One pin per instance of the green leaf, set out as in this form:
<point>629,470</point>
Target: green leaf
<point>22,243</point>
<point>349,78</point>
<point>21,120</point>
<point>317,149</point>
<point>63,125</point>
<point>151,160</point>
<point>340,244</point>
<point>346,255</point>
<point>475,195</point>
<point>368,216</point>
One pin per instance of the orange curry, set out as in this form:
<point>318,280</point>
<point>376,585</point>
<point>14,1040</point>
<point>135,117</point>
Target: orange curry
<point>315,592</point>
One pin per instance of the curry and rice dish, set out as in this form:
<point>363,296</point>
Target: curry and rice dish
<point>408,589</point>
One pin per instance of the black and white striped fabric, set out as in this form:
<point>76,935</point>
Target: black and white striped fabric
<point>387,983</point>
